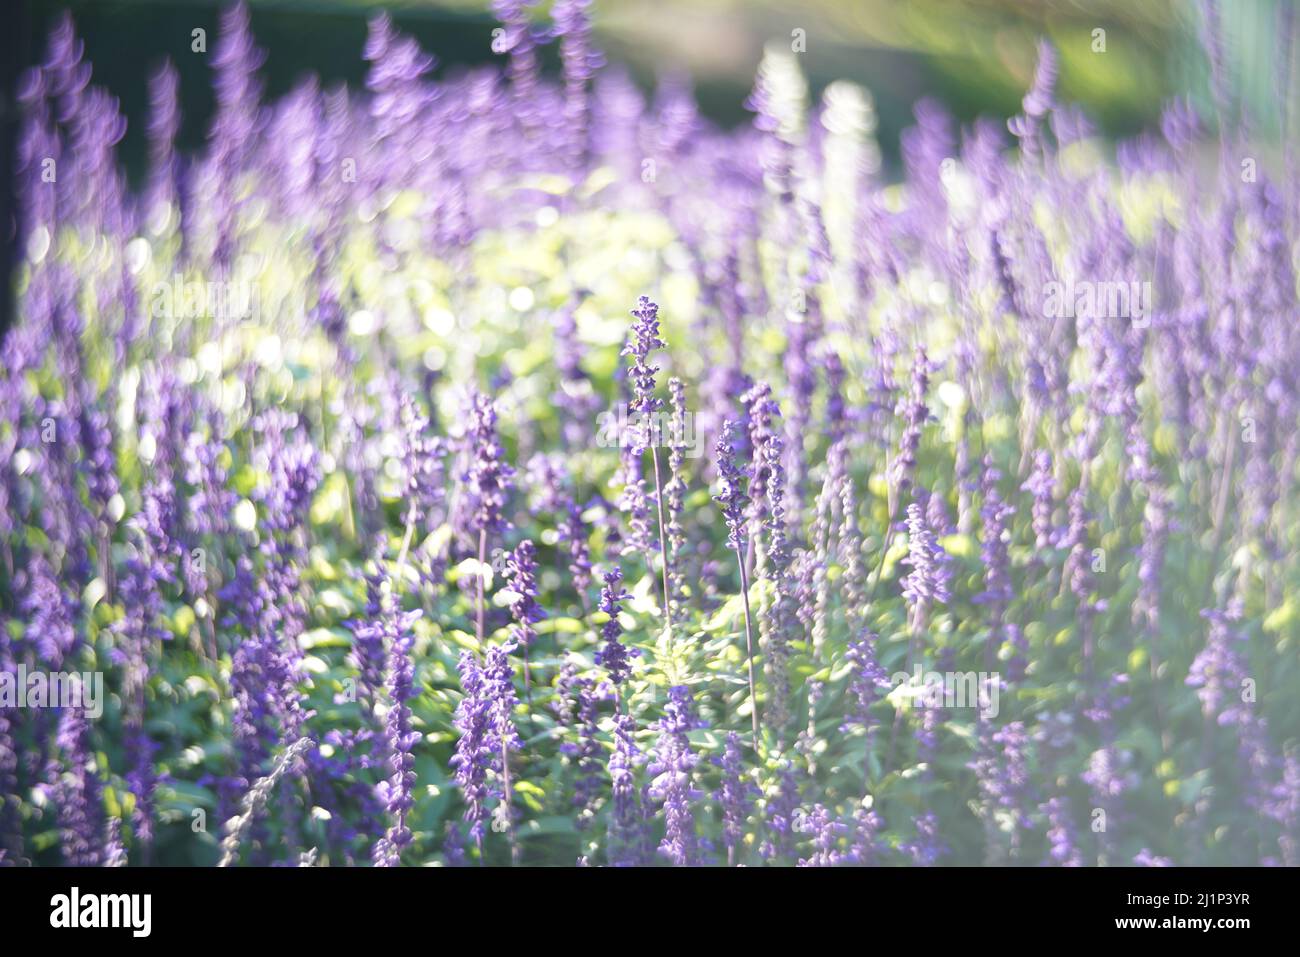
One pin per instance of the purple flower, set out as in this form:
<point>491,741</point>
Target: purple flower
<point>615,657</point>
<point>866,679</point>
<point>582,715</point>
<point>10,820</point>
<point>914,413</point>
<point>235,124</point>
<point>866,848</point>
<point>489,476</point>
<point>732,495</point>
<point>421,464</point>
<point>1002,770</point>
<point>77,793</point>
<point>994,554</point>
<point>573,531</point>
<point>1078,570</point>
<point>1042,485</point>
<point>670,772</point>
<point>160,463</point>
<point>164,124</point>
<point>761,410</point>
<point>780,808</point>
<point>675,488</point>
<point>1144,858</point>
<point>1110,777</point>
<point>401,740</point>
<point>208,507</point>
<point>633,500</point>
<point>928,581</point>
<point>137,636</point>
<point>265,665</point>
<point>50,613</point>
<point>626,845</point>
<point>544,478</point>
<point>778,623</point>
<point>581,60</point>
<point>485,720</point>
<point>114,852</point>
<point>501,737</point>
<point>98,461</point>
<point>1061,836</point>
<point>519,40</point>
<point>927,848</point>
<point>396,80</point>
<point>643,341</point>
<point>474,755</point>
<point>993,544</point>
<point>521,573</point>
<point>1038,102</point>
<point>575,396</point>
<point>825,833</point>
<point>735,796</point>
<point>369,656</point>
<point>1219,671</point>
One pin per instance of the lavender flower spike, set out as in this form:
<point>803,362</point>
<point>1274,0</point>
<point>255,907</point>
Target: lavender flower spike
<point>928,581</point>
<point>489,480</point>
<point>395,792</point>
<point>733,500</point>
<point>670,772</point>
<point>735,797</point>
<point>521,573</point>
<point>644,340</point>
<point>615,657</point>
<point>474,755</point>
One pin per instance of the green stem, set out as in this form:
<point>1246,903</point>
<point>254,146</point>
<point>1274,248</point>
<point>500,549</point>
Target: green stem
<point>749,647</point>
<point>663,544</point>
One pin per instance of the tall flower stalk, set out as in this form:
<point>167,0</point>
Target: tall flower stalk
<point>615,657</point>
<point>254,801</point>
<point>499,687</point>
<point>521,573</point>
<point>473,755</point>
<point>645,406</point>
<point>395,791</point>
<point>489,481</point>
<point>732,499</point>
<point>670,772</point>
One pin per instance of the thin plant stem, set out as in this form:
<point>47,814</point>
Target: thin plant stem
<point>749,647</point>
<point>663,546</point>
<point>406,545</point>
<point>254,800</point>
<point>482,560</point>
<point>509,803</point>
<point>1220,512</point>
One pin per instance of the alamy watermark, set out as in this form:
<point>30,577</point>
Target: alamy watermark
<point>1105,299</point>
<point>950,689</point>
<point>73,910</point>
<point>619,428</point>
<point>53,689</point>
<point>179,299</point>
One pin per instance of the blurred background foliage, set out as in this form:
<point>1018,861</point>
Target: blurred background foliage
<point>977,56</point>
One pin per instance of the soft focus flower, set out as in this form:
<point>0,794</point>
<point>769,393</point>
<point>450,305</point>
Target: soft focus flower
<point>670,771</point>
<point>615,657</point>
